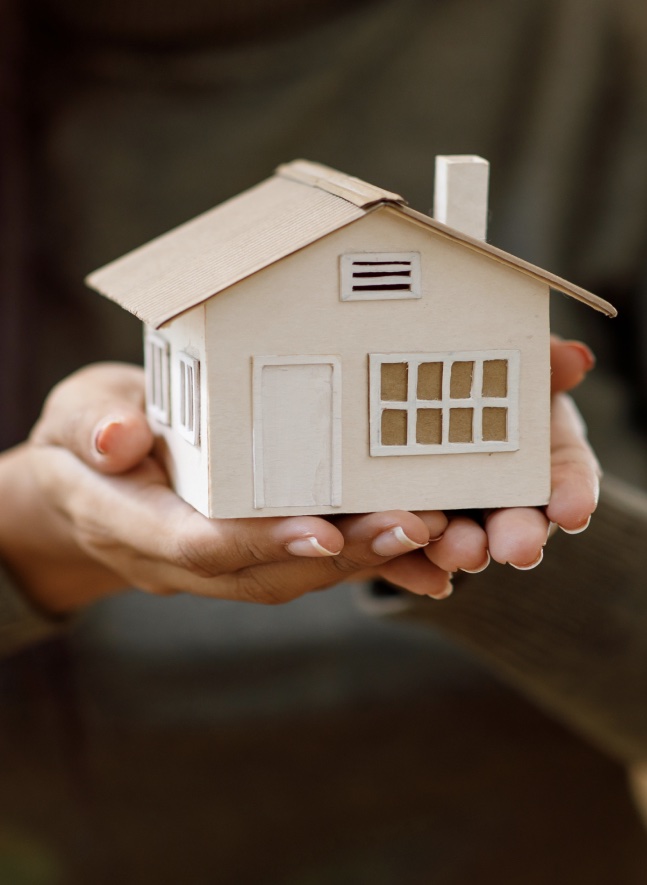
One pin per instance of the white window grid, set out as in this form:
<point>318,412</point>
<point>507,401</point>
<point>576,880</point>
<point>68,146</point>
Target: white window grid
<point>188,416</point>
<point>158,399</point>
<point>380,276</point>
<point>475,401</point>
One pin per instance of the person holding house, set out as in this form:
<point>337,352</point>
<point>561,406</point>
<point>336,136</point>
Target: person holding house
<point>120,120</point>
<point>91,514</point>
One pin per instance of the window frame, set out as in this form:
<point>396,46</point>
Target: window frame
<point>158,377</point>
<point>188,405</point>
<point>476,401</point>
<point>346,268</point>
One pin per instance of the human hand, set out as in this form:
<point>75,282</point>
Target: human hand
<point>518,535</point>
<point>95,514</point>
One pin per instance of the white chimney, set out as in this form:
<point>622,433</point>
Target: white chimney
<point>461,194</point>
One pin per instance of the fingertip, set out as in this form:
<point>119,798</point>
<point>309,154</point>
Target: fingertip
<point>571,361</point>
<point>120,442</point>
<point>516,536</point>
<point>571,507</point>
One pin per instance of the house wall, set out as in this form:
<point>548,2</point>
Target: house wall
<point>469,302</point>
<point>186,464</point>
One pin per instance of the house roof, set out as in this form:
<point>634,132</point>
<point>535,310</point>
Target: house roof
<point>300,204</point>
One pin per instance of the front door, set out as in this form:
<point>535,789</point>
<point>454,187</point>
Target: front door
<point>297,431</point>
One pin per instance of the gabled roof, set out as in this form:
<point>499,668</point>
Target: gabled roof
<point>300,204</point>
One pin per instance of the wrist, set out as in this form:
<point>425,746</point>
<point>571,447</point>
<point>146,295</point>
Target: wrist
<point>38,544</point>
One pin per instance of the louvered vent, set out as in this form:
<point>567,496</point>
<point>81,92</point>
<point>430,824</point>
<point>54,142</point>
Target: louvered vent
<point>375,276</point>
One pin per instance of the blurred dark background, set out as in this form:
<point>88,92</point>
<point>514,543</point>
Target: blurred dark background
<point>189,741</point>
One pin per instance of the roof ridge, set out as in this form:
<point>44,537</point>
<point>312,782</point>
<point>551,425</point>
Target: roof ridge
<point>347,187</point>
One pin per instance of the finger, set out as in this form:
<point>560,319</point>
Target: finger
<point>575,469</point>
<point>464,546</point>
<point>370,540</point>
<point>517,535</point>
<point>98,414</point>
<point>136,519</point>
<point>417,574</point>
<point>570,362</point>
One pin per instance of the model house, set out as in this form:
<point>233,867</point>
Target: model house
<point>315,346</point>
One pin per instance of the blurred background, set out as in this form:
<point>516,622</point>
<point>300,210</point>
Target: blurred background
<point>192,741</point>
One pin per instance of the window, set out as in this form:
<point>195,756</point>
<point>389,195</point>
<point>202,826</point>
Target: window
<point>380,276</point>
<point>426,403</point>
<point>189,398</point>
<point>156,358</point>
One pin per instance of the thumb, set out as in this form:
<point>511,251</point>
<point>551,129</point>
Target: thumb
<point>98,414</point>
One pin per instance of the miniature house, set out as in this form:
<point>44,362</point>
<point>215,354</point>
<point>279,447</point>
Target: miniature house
<point>315,346</point>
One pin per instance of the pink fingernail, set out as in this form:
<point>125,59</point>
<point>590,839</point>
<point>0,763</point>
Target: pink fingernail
<point>309,547</point>
<point>444,594</point>
<point>588,357</point>
<point>476,571</point>
<point>102,435</point>
<point>393,542</point>
<point>579,529</point>
<point>531,565</point>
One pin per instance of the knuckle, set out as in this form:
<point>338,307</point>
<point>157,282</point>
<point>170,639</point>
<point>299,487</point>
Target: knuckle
<point>248,550</point>
<point>192,555</point>
<point>253,587</point>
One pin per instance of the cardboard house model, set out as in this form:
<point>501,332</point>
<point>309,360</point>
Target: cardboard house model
<point>314,346</point>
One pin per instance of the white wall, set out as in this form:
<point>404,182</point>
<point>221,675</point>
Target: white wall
<point>187,464</point>
<point>469,302</point>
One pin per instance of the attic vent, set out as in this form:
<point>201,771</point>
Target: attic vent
<point>378,276</point>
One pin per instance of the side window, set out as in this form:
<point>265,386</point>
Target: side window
<point>156,359</point>
<point>189,398</point>
<point>448,403</point>
<point>380,276</point>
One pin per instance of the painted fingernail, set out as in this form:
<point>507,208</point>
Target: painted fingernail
<point>531,565</point>
<point>393,542</point>
<point>587,355</point>
<point>579,529</point>
<point>309,547</point>
<point>444,593</point>
<point>475,571</point>
<point>102,435</point>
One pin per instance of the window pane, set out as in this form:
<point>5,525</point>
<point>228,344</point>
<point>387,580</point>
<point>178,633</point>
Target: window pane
<point>394,427</point>
<point>461,380</point>
<point>394,381</point>
<point>460,425</point>
<point>429,427</point>
<point>430,381</point>
<point>495,378</point>
<point>495,424</point>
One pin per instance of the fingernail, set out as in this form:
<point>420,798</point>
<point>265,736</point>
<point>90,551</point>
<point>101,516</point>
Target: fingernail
<point>475,571</point>
<point>102,435</point>
<point>309,547</point>
<point>444,593</point>
<point>588,357</point>
<point>531,565</point>
<point>578,530</point>
<point>393,542</point>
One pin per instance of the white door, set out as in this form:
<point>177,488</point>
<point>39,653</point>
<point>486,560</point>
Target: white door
<point>297,431</point>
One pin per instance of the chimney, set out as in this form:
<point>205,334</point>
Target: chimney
<point>461,194</point>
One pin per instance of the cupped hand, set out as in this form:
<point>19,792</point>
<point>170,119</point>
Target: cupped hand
<point>517,536</point>
<point>108,518</point>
